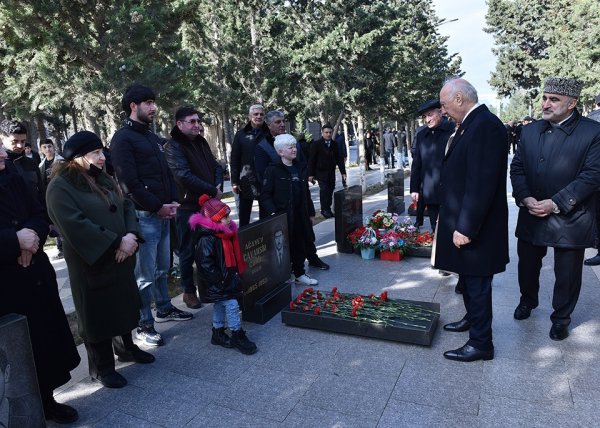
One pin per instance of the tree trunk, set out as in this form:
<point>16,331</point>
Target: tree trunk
<point>346,142</point>
<point>74,117</point>
<point>361,153</point>
<point>381,151</point>
<point>41,129</point>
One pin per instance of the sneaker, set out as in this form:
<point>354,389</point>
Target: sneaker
<point>149,336</point>
<point>173,314</point>
<point>306,280</point>
<point>240,340</point>
<point>219,337</point>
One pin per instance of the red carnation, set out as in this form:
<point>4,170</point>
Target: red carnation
<point>383,296</point>
<point>334,290</point>
<point>304,308</point>
<point>292,305</point>
<point>308,290</point>
<point>355,312</point>
<point>317,310</point>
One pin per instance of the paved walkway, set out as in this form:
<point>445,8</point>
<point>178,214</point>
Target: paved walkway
<point>308,378</point>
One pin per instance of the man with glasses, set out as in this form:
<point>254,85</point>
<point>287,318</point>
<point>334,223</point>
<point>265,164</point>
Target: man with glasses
<point>196,172</point>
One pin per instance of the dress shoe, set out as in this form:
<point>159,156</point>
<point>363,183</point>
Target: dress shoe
<point>111,380</point>
<point>59,413</point>
<point>191,301</point>
<point>522,312</point>
<point>594,261</point>
<point>559,332</point>
<point>467,354</point>
<point>137,355</point>
<point>458,326</point>
<point>319,264</point>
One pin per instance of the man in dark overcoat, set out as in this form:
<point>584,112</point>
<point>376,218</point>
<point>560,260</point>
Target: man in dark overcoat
<point>324,156</point>
<point>472,230</point>
<point>428,156</point>
<point>554,175</point>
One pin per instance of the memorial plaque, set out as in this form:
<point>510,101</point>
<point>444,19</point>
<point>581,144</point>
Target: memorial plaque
<point>20,402</point>
<point>266,249</point>
<point>394,319</point>
<point>348,216</point>
<point>395,182</point>
<point>419,252</point>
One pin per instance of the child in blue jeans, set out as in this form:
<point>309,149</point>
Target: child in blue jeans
<point>219,261</point>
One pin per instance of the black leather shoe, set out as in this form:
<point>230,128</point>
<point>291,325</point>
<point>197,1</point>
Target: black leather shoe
<point>458,326</point>
<point>111,380</point>
<point>59,413</point>
<point>594,261</point>
<point>522,311</point>
<point>319,264</point>
<point>137,355</point>
<point>559,332</point>
<point>467,354</point>
<point>328,214</point>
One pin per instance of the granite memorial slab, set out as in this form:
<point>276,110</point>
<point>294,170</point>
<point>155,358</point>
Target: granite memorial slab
<point>372,316</point>
<point>419,251</point>
<point>347,205</point>
<point>395,183</point>
<point>20,401</point>
<point>265,247</point>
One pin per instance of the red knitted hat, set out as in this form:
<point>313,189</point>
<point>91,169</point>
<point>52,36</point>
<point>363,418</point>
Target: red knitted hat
<point>213,208</point>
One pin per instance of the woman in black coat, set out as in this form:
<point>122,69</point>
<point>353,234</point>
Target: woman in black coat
<point>29,288</point>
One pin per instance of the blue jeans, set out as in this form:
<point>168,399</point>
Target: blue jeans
<point>227,310</point>
<point>152,265</point>
<point>187,244</point>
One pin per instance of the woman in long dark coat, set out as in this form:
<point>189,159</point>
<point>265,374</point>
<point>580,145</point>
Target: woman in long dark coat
<point>100,233</point>
<point>28,287</point>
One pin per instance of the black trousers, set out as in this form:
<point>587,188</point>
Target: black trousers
<point>101,359</point>
<point>477,296</point>
<point>244,210</point>
<point>298,244</point>
<point>420,211</point>
<point>597,221</point>
<point>326,188</point>
<point>433,211</point>
<point>568,266</point>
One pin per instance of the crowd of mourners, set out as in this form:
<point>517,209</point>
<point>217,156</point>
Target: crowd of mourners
<point>112,211</point>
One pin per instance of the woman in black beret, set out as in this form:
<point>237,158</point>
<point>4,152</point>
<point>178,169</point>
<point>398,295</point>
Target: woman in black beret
<point>101,236</point>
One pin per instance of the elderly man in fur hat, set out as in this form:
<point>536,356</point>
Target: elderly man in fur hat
<point>554,175</point>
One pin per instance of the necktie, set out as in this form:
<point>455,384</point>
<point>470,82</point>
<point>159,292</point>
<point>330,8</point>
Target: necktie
<point>451,139</point>
<point>328,142</point>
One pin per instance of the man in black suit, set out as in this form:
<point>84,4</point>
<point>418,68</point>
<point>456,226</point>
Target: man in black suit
<point>472,231</point>
<point>324,156</point>
<point>428,156</point>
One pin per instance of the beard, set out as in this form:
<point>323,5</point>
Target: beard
<point>144,117</point>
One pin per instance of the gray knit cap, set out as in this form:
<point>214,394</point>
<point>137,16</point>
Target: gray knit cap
<point>563,86</point>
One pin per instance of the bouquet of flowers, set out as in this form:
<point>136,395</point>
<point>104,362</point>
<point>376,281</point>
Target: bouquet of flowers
<point>405,224</point>
<point>392,241</point>
<point>383,220</point>
<point>368,238</point>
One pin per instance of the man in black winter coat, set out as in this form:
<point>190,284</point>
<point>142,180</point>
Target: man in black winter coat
<point>428,155</point>
<point>243,176</point>
<point>196,172</point>
<point>324,156</point>
<point>554,175</point>
<point>143,173</point>
<point>472,230</point>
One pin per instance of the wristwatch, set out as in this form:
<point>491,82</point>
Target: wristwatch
<point>555,208</point>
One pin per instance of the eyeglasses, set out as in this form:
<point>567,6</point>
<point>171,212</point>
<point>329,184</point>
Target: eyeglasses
<point>193,121</point>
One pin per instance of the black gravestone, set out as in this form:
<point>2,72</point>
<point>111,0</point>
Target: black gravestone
<point>395,184</point>
<point>20,402</point>
<point>347,204</point>
<point>265,247</point>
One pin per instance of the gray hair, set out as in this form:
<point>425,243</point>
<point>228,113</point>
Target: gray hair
<point>458,84</point>
<point>270,116</point>
<point>255,107</point>
<point>284,140</point>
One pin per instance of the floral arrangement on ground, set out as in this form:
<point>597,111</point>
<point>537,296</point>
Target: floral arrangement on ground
<point>371,309</point>
<point>389,232</point>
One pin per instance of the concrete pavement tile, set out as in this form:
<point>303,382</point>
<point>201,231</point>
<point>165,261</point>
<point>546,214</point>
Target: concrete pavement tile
<point>372,356</point>
<point>503,412</point>
<point>164,409</point>
<point>587,412</point>
<point>353,393</point>
<point>539,381</point>
<point>405,414</point>
<point>441,383</point>
<point>119,419</point>
<point>220,416</point>
<point>267,393</point>
<point>305,415</point>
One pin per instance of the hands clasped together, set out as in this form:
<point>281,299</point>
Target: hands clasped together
<point>538,208</point>
<point>29,242</point>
